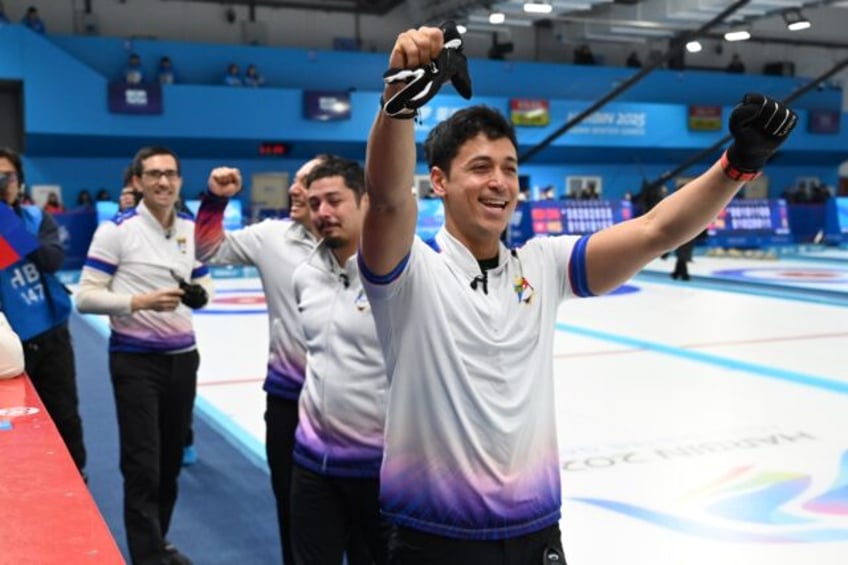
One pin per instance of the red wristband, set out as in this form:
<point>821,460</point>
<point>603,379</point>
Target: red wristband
<point>733,173</point>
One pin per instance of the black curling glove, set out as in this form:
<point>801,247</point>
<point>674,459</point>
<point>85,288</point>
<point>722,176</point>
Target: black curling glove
<point>759,125</point>
<point>194,296</point>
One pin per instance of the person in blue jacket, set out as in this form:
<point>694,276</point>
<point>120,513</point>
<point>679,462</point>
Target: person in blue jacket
<point>233,76</point>
<point>133,73</point>
<point>37,307</point>
<point>33,21</point>
<point>166,73</point>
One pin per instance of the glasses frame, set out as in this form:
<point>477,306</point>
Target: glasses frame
<point>155,175</point>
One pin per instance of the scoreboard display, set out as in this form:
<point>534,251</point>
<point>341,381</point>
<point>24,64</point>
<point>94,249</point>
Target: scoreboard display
<point>743,223</point>
<point>836,220</point>
<point>751,223</point>
<point>557,217</point>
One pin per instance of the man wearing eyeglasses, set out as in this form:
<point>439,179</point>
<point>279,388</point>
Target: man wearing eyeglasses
<point>136,271</point>
<point>37,306</point>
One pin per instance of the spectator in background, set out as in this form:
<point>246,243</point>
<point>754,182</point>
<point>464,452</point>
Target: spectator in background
<point>133,73</point>
<point>633,60</point>
<point>736,65</point>
<point>33,21</point>
<point>37,306</point>
<point>590,192</point>
<point>84,200</point>
<point>252,76</point>
<point>233,77</point>
<point>3,18</point>
<point>11,351</point>
<point>103,195</point>
<point>819,193</point>
<point>683,255</point>
<point>583,55</point>
<point>53,204</point>
<point>650,196</point>
<point>130,196</point>
<point>166,73</point>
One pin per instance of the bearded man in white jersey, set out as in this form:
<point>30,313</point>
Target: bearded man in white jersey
<point>339,440</point>
<point>470,472</point>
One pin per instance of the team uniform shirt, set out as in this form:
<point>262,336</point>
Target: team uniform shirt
<point>276,248</point>
<point>343,404</point>
<point>471,447</point>
<point>138,256</point>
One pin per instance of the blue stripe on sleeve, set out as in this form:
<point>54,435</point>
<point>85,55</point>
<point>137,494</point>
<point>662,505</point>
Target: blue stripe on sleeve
<point>200,271</point>
<point>100,265</point>
<point>577,268</point>
<point>381,279</point>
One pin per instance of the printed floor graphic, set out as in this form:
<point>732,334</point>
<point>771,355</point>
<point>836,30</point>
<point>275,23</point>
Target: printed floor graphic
<point>699,423</point>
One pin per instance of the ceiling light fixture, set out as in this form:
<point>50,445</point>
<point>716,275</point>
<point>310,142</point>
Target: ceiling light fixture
<point>694,46</point>
<point>497,18</point>
<point>737,35</point>
<point>795,20</point>
<point>538,8</point>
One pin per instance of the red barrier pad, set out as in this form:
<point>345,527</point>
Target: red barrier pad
<point>48,515</point>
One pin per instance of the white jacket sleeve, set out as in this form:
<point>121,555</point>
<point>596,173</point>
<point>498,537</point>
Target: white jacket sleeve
<point>94,296</point>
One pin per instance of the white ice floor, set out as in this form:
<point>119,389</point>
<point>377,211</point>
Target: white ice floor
<point>700,423</point>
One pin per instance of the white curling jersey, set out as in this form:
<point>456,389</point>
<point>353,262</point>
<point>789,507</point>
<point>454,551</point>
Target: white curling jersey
<point>140,255</point>
<point>276,247</point>
<point>471,448</point>
<point>343,403</point>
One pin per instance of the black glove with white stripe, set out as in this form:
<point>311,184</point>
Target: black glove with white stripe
<point>423,83</point>
<point>759,125</point>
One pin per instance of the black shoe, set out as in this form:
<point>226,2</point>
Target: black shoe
<point>174,557</point>
<point>673,275</point>
<point>685,277</point>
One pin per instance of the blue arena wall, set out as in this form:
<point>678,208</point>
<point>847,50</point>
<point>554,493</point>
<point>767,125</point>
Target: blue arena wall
<point>73,140</point>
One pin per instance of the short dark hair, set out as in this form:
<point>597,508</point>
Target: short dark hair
<point>146,153</point>
<point>335,166</point>
<point>444,141</point>
<point>15,158</point>
<point>128,176</point>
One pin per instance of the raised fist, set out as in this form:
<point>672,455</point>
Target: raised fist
<point>421,73</point>
<point>759,125</point>
<point>225,182</point>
